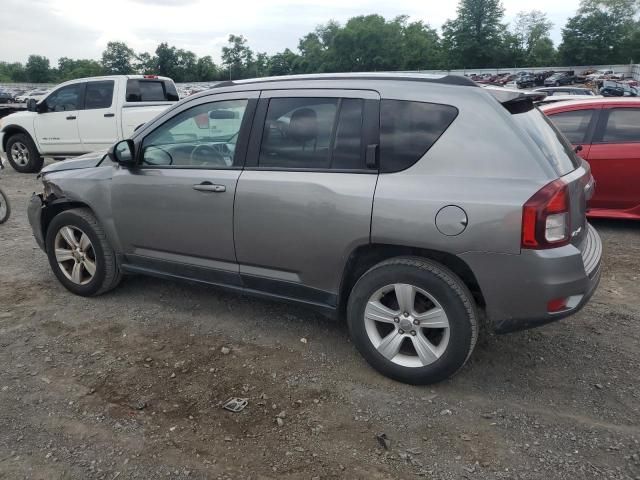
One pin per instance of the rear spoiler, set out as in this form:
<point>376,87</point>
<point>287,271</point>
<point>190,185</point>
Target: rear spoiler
<point>516,101</point>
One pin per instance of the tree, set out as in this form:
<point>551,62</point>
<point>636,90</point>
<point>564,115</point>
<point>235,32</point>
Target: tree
<point>532,32</point>
<point>68,69</point>
<point>283,63</point>
<point>237,56</point>
<point>37,69</point>
<point>166,60</point>
<point>206,70</point>
<point>474,38</point>
<point>118,59</point>
<point>145,63</point>
<point>421,48</point>
<point>599,33</point>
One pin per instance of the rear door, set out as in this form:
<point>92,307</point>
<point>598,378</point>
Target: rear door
<point>97,122</point>
<point>56,124</point>
<point>615,158</point>
<point>304,200</point>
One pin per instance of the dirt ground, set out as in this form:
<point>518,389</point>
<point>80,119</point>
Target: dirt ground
<point>130,385</point>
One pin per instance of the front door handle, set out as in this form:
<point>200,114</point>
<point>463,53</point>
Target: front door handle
<point>209,187</point>
<point>109,115</point>
<point>71,117</point>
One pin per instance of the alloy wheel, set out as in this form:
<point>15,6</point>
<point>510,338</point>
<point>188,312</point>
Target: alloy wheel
<point>20,153</point>
<point>407,325</point>
<point>75,255</point>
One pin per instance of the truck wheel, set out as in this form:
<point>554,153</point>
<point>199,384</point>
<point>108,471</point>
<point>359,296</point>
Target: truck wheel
<point>80,255</point>
<point>413,320</point>
<point>23,154</point>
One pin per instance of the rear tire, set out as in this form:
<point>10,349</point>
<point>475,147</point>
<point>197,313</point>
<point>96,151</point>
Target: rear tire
<point>80,255</point>
<point>5,207</point>
<point>23,154</point>
<point>420,341</point>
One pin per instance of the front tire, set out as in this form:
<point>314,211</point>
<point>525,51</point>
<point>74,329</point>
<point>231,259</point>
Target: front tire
<point>5,207</point>
<point>80,255</point>
<point>23,154</point>
<point>413,320</point>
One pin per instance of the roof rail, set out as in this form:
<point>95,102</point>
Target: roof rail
<point>403,76</point>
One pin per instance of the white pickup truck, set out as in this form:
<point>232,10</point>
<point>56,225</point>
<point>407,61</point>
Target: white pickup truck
<point>83,116</point>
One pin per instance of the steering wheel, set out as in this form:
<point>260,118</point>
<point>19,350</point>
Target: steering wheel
<point>206,155</point>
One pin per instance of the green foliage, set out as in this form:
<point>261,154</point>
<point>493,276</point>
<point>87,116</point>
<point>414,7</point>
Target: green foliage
<point>475,38</point>
<point>118,59</point>
<point>37,69</point>
<point>600,33</point>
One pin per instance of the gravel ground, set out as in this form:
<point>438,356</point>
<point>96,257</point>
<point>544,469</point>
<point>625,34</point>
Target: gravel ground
<point>130,385</point>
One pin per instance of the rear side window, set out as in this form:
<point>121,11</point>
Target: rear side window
<point>409,129</point>
<point>623,126</point>
<point>98,95</point>
<point>550,141</point>
<point>573,125</point>
<point>142,90</point>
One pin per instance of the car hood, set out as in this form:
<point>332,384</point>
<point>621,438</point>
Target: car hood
<point>84,161</point>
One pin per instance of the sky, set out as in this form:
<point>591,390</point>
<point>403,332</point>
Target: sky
<point>82,28</point>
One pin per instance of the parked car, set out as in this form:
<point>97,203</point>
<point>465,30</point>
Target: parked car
<point>559,78</point>
<point>612,88</point>
<point>526,81</point>
<point>82,116</point>
<point>32,94</point>
<point>563,91</point>
<point>6,97</point>
<point>607,132</point>
<point>599,75</point>
<point>565,98</point>
<point>356,194</point>
<point>582,77</point>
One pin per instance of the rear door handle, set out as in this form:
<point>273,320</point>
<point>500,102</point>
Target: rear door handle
<point>209,187</point>
<point>109,115</point>
<point>71,117</point>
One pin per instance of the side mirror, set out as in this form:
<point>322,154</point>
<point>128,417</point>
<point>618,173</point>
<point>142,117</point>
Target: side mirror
<point>578,148</point>
<point>32,105</point>
<point>123,153</point>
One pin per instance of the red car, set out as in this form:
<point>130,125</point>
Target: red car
<point>608,130</point>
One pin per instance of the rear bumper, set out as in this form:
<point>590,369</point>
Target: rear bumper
<point>34,213</point>
<point>517,288</point>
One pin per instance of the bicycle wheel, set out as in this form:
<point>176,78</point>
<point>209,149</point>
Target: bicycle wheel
<point>5,207</point>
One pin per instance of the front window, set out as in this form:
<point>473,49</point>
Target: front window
<point>64,99</point>
<point>204,136</point>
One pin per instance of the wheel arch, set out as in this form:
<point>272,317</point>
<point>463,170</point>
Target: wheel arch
<point>56,207</point>
<point>11,130</point>
<point>364,257</point>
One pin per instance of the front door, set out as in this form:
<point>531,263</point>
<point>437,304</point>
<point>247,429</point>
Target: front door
<point>304,200</point>
<point>174,212</point>
<point>56,124</point>
<point>97,122</point>
<point>615,159</point>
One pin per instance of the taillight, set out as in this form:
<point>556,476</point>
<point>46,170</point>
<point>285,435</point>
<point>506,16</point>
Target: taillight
<point>545,217</point>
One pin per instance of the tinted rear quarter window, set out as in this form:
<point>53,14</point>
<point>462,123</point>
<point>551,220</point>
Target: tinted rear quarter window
<point>143,90</point>
<point>553,145</point>
<point>409,129</point>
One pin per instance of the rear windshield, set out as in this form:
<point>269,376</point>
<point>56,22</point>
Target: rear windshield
<point>551,142</point>
<point>151,91</point>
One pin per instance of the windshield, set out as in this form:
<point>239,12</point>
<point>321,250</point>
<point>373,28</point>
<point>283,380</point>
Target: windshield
<point>556,149</point>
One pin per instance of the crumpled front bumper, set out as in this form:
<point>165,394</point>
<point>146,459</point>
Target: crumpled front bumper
<point>34,213</point>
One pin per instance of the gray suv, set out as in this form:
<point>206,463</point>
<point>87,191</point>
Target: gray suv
<point>411,205</point>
